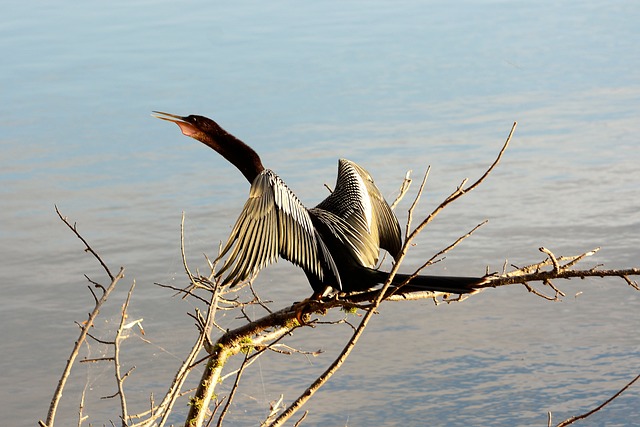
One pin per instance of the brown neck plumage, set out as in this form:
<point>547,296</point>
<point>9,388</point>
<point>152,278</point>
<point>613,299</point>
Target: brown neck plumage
<point>235,151</point>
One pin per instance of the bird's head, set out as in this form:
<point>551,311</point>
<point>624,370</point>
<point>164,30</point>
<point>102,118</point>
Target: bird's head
<point>212,135</point>
<point>197,127</point>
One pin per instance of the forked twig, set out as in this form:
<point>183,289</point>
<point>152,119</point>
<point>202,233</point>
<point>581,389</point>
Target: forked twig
<point>86,244</point>
<point>415,201</point>
<point>84,330</point>
<point>404,187</point>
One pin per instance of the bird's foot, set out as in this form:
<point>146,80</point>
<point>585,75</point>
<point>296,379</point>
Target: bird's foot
<point>305,307</point>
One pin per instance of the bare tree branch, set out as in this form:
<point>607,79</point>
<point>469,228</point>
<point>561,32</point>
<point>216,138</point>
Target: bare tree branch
<point>84,328</point>
<point>87,246</point>
<point>116,357</point>
<point>234,388</point>
<point>415,201</point>
<point>460,191</point>
<point>597,408</point>
<point>404,187</point>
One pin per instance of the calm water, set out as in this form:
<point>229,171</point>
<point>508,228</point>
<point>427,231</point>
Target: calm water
<point>393,86</point>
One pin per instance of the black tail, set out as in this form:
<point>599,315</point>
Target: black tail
<point>363,279</point>
<point>449,284</point>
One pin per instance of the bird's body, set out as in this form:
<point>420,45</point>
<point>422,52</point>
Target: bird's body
<point>337,243</point>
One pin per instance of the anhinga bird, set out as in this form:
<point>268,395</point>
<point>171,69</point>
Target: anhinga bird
<point>337,243</point>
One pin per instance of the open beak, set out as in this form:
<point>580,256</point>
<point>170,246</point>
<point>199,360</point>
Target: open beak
<point>187,128</point>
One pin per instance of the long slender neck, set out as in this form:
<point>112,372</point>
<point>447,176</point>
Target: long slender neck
<point>235,151</point>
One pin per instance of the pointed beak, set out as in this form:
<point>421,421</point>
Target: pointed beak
<point>168,117</point>
<point>187,128</point>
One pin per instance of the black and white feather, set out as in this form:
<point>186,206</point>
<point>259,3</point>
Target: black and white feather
<point>274,222</point>
<point>357,200</point>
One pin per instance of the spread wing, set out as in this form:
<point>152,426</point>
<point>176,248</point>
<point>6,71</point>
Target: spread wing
<point>273,222</point>
<point>384,220</point>
<point>349,240</point>
<point>357,200</point>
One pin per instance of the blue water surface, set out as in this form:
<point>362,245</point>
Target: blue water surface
<point>395,86</point>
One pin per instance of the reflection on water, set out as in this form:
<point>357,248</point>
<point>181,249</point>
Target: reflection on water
<point>392,86</point>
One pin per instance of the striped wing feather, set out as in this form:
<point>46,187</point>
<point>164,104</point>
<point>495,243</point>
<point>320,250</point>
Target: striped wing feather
<point>273,222</point>
<point>357,200</point>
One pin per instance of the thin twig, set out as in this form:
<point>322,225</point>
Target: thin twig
<point>552,257</point>
<point>415,201</point>
<point>297,424</point>
<point>186,291</point>
<point>116,356</point>
<point>184,256</point>
<point>538,293</point>
<point>87,246</point>
<point>599,407</point>
<point>460,191</point>
<point>404,187</point>
<point>439,254</point>
<point>234,388</point>
<point>631,283</point>
<point>82,417</point>
<point>55,401</point>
